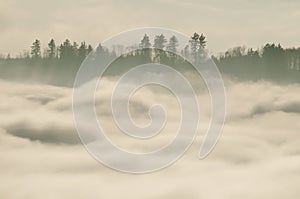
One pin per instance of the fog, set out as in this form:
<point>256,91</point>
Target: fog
<point>257,156</point>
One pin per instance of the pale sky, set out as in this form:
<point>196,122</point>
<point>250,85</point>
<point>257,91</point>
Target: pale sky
<point>225,23</point>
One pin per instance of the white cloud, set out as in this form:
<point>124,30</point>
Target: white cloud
<point>258,155</point>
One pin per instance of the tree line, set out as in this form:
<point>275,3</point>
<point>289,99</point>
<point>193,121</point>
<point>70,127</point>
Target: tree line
<point>61,62</point>
<point>65,51</point>
<point>271,62</point>
<point>70,51</point>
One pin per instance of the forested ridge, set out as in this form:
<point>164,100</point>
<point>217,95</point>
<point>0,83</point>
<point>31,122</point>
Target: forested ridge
<point>58,64</point>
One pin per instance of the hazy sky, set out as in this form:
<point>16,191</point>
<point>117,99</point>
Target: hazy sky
<point>225,23</point>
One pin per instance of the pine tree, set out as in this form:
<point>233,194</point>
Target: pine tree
<point>66,51</point>
<point>51,49</point>
<point>173,44</point>
<point>159,41</point>
<point>145,42</point>
<point>197,44</point>
<point>82,51</point>
<point>36,49</point>
<point>202,41</point>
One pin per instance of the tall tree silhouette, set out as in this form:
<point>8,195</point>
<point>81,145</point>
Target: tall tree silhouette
<point>194,44</point>
<point>159,45</point>
<point>67,51</point>
<point>51,52</point>
<point>36,49</point>
<point>202,41</point>
<point>145,42</point>
<point>186,51</point>
<point>82,51</point>
<point>173,44</point>
<point>159,41</point>
<point>197,44</point>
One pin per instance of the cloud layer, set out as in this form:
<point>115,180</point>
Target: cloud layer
<point>258,155</point>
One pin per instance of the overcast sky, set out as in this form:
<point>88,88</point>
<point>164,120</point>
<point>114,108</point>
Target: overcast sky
<point>225,23</point>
